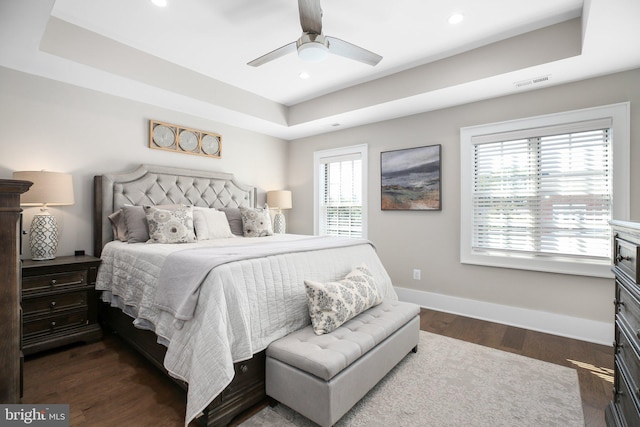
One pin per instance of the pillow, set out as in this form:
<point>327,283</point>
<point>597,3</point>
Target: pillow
<point>331,304</point>
<point>210,224</point>
<point>170,224</point>
<point>136,222</point>
<point>256,222</point>
<point>234,219</point>
<point>118,226</point>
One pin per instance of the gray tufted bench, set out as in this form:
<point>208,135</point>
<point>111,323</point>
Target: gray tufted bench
<point>323,376</point>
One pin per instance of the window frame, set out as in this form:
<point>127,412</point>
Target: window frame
<point>318,158</point>
<point>620,133</point>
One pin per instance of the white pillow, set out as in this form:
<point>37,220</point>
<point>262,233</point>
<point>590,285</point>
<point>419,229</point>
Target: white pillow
<point>211,224</point>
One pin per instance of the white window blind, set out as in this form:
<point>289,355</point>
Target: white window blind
<point>537,192</point>
<point>549,194</point>
<point>340,210</point>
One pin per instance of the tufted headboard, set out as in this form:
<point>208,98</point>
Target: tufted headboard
<point>160,185</point>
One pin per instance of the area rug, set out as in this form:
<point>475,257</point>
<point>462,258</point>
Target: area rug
<point>454,383</point>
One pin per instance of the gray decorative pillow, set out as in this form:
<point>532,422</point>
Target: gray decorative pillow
<point>256,222</point>
<point>331,304</point>
<point>118,226</point>
<point>235,220</point>
<point>136,223</point>
<point>170,225</point>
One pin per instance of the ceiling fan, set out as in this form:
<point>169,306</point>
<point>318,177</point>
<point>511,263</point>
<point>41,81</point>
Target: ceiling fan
<point>313,46</point>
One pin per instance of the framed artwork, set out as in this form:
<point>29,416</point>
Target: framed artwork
<point>411,179</point>
<point>180,139</point>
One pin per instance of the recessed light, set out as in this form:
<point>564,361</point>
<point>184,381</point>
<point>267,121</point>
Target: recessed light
<point>304,75</point>
<point>456,18</point>
<point>160,3</point>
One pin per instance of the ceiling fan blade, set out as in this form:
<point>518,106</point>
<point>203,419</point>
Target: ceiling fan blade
<point>275,54</point>
<point>351,51</point>
<point>310,16</point>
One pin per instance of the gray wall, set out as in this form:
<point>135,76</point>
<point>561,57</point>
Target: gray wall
<point>63,128</point>
<point>429,241</point>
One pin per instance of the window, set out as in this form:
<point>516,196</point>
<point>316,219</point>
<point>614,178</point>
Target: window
<point>538,193</point>
<point>340,195</point>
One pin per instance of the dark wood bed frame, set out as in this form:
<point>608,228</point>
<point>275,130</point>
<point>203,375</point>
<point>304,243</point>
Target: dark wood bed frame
<point>247,387</point>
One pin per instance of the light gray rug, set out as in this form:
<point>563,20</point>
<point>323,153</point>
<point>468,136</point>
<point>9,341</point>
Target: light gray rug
<point>454,383</point>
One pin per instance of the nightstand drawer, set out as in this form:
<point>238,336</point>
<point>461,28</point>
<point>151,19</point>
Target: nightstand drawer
<point>625,400</point>
<point>628,308</point>
<point>54,303</point>
<point>626,258</point>
<point>53,324</point>
<point>54,281</point>
<point>627,355</point>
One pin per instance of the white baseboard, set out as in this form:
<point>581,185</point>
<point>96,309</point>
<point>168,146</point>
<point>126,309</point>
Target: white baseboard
<point>541,321</point>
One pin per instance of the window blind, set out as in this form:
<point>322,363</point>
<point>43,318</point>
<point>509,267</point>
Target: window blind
<point>548,194</point>
<point>341,196</point>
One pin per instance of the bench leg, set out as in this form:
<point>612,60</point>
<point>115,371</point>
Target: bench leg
<point>414,349</point>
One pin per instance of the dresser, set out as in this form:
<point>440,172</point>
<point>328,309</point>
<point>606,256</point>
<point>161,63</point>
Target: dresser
<point>10,244</point>
<point>624,409</point>
<point>59,302</point>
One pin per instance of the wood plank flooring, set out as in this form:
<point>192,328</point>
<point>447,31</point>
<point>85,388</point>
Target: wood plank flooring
<point>108,384</point>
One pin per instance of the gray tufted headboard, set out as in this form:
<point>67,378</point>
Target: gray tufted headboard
<point>159,185</point>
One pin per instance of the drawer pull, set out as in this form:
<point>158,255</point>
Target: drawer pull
<point>244,368</point>
<point>623,258</point>
<point>53,282</point>
<point>53,325</point>
<point>53,304</point>
<point>618,347</point>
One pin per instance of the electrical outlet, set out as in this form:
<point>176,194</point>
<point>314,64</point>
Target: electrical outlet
<point>416,274</point>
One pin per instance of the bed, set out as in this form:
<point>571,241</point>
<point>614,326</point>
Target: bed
<point>204,311</point>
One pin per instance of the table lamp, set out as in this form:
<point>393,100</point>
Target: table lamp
<point>48,189</point>
<point>280,199</point>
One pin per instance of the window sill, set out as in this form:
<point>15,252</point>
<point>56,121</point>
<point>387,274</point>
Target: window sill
<point>547,265</point>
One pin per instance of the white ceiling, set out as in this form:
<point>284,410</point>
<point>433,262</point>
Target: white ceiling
<point>191,56</point>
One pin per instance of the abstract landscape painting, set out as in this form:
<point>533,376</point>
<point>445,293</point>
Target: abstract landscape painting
<point>411,178</point>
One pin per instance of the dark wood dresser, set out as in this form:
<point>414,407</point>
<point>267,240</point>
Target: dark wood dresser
<point>10,225</point>
<point>624,409</point>
<point>59,302</point>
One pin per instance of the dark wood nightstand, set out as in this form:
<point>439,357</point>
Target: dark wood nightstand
<point>59,302</point>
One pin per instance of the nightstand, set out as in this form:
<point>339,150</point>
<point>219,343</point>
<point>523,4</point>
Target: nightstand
<point>59,302</point>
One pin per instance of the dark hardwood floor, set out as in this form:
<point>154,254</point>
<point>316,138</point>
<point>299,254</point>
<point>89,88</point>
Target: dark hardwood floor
<point>108,384</point>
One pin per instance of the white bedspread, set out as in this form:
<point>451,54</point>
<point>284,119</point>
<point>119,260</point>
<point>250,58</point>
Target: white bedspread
<point>242,307</point>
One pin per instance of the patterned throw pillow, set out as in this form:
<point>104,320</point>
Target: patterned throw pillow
<point>173,225</point>
<point>256,222</point>
<point>331,304</point>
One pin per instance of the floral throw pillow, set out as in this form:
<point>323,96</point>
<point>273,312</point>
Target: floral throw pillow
<point>170,225</point>
<point>333,303</point>
<point>256,222</point>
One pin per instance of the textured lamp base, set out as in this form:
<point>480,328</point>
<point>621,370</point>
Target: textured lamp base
<point>43,236</point>
<point>279,224</point>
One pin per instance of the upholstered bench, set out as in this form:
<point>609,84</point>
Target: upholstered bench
<point>323,376</point>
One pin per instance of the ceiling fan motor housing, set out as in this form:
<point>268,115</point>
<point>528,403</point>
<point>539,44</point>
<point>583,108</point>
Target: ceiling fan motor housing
<point>312,47</point>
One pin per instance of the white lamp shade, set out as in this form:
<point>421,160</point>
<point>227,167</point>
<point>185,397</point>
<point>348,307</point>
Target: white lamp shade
<point>280,199</point>
<point>49,188</point>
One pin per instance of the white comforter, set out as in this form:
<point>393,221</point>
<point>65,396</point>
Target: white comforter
<point>243,305</point>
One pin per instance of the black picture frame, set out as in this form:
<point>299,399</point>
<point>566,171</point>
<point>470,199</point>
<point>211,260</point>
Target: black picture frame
<point>411,179</point>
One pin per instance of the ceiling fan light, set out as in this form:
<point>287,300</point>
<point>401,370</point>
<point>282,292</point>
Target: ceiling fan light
<point>313,52</point>
<point>456,18</point>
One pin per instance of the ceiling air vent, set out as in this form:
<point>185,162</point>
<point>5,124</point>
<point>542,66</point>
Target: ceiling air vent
<point>534,81</point>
